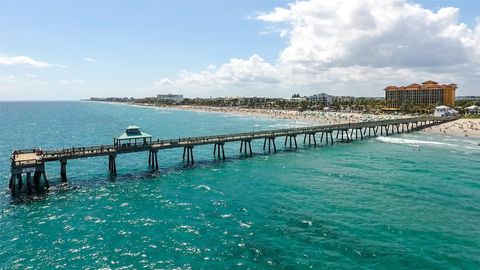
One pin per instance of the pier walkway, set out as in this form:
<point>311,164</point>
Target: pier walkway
<point>33,160</point>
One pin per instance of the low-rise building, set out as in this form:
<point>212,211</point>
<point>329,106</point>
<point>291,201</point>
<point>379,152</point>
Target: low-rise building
<point>444,111</point>
<point>342,99</point>
<point>472,98</point>
<point>321,98</point>
<point>474,109</point>
<point>252,101</point>
<point>169,98</point>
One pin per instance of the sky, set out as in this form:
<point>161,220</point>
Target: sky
<point>69,50</point>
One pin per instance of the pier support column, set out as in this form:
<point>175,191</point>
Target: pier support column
<point>63,170</point>
<point>293,140</point>
<point>112,164</point>
<point>45,180</point>
<point>223,151</point>
<point>20,181</point>
<point>36,180</point>
<point>217,148</point>
<point>271,141</point>
<point>153,159</point>
<point>356,133</point>
<point>310,135</point>
<point>12,184</point>
<point>243,145</point>
<point>189,151</point>
<point>344,131</point>
<point>29,182</point>
<point>250,147</point>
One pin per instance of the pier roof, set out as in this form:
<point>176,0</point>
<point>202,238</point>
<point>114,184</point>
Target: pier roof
<point>133,132</point>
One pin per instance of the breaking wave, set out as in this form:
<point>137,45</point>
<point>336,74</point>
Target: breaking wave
<point>411,142</point>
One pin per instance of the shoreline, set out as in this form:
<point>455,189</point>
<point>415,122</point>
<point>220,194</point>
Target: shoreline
<point>461,127</point>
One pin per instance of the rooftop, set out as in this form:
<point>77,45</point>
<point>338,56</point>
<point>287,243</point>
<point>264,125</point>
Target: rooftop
<point>133,132</point>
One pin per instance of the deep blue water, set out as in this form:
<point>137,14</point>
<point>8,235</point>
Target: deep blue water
<point>407,201</point>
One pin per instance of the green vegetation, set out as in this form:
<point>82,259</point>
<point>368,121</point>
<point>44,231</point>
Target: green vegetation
<point>362,104</point>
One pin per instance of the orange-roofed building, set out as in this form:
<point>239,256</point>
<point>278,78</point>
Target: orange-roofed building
<point>429,93</point>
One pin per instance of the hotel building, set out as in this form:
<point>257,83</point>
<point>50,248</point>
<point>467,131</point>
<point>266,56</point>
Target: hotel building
<point>428,93</point>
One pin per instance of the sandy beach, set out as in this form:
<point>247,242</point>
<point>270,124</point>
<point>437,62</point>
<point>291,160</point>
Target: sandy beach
<point>463,127</point>
<point>312,117</point>
<point>460,127</point>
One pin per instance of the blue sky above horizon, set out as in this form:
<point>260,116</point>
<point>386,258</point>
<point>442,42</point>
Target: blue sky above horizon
<point>72,50</point>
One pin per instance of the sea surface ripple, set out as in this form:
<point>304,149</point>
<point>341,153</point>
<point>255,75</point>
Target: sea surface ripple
<point>408,201</point>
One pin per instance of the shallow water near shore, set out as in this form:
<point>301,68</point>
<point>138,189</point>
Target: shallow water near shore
<point>404,201</point>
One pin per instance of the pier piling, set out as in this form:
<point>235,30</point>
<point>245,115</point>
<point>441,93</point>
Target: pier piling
<point>112,164</point>
<point>217,148</point>
<point>189,151</point>
<point>63,170</point>
<point>29,184</point>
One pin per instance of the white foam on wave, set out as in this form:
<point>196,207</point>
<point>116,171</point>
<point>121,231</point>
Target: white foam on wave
<point>411,142</point>
<point>204,187</point>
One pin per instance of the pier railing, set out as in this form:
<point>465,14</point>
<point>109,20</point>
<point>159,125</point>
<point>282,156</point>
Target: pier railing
<point>79,152</point>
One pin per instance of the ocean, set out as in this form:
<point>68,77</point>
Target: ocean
<point>409,201</point>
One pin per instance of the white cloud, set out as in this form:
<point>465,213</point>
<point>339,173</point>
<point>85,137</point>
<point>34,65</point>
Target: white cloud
<point>71,81</point>
<point>349,47</point>
<point>228,79</point>
<point>372,33</point>
<point>88,59</point>
<point>30,75</point>
<point>22,60</point>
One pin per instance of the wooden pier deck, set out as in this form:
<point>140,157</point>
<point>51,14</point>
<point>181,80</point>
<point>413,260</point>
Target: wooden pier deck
<point>33,160</point>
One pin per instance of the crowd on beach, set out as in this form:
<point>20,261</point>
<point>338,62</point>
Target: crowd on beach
<point>465,127</point>
<point>314,117</point>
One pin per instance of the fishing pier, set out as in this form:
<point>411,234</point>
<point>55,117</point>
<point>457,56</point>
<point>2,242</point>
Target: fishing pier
<point>31,163</point>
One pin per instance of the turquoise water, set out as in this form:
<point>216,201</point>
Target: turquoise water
<point>407,201</point>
